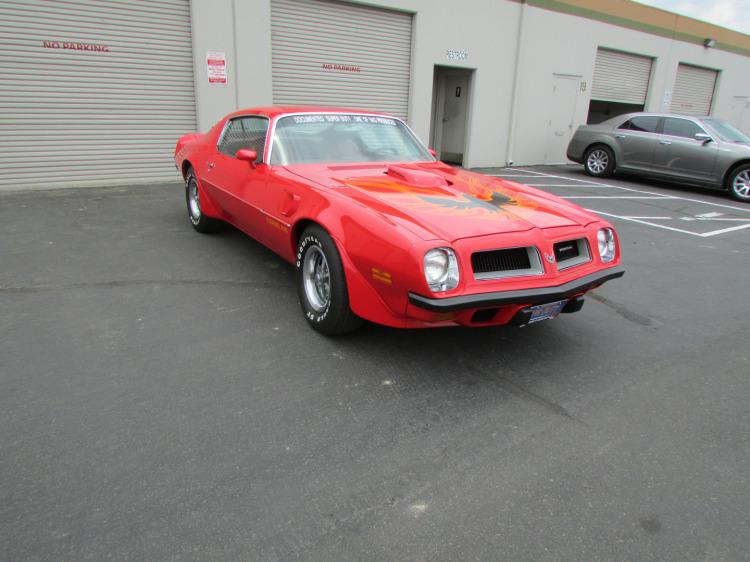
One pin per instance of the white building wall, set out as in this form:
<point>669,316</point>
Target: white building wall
<point>566,44</point>
<point>488,30</point>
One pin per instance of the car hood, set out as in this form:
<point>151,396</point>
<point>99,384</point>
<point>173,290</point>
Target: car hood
<point>436,201</point>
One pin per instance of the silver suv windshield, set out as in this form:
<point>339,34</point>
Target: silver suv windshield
<point>725,131</point>
<point>344,138</point>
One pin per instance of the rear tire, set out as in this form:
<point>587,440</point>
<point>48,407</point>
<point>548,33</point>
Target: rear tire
<point>321,284</point>
<point>200,221</point>
<point>599,161</point>
<point>738,183</point>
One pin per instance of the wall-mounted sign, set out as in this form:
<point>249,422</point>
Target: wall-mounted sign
<point>456,54</point>
<point>341,67</point>
<point>216,65</point>
<point>91,47</point>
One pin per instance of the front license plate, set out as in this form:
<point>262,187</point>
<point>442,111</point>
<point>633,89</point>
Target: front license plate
<point>545,311</point>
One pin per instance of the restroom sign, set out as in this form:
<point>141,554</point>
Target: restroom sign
<point>216,65</point>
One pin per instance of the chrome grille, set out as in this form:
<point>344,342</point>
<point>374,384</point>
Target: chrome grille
<point>507,262</point>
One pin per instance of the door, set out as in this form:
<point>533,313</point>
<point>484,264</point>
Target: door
<point>693,90</point>
<point>340,54</point>
<point>679,154</point>
<point>562,110</point>
<point>238,186</point>
<point>451,111</point>
<point>635,141</point>
<point>739,113</point>
<point>93,93</point>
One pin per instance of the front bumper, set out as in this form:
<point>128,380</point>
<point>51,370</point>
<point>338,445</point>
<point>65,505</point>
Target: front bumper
<point>527,297</point>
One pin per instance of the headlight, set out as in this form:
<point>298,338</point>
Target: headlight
<point>441,269</point>
<point>606,239</point>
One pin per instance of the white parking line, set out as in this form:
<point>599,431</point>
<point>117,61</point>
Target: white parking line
<point>615,197</point>
<point>559,185</point>
<point>699,234</point>
<point>598,184</point>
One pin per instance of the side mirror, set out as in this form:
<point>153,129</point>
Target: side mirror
<point>703,137</point>
<point>433,152</point>
<point>247,154</point>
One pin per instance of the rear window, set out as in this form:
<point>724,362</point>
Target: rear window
<point>644,124</point>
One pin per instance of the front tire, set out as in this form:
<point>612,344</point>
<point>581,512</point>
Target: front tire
<point>200,221</point>
<point>599,161</point>
<point>738,184</point>
<point>321,284</point>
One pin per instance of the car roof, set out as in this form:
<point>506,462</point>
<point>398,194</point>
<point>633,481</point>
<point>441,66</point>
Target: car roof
<point>278,110</point>
<point>648,114</point>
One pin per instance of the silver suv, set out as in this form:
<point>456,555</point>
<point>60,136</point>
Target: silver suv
<point>701,150</point>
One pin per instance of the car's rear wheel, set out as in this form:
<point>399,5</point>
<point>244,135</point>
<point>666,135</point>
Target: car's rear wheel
<point>599,161</point>
<point>321,284</point>
<point>739,183</point>
<point>200,221</point>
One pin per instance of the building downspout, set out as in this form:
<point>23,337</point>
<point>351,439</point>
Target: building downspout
<point>516,85</point>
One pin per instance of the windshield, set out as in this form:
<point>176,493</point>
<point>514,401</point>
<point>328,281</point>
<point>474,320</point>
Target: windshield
<point>339,138</point>
<point>725,131</point>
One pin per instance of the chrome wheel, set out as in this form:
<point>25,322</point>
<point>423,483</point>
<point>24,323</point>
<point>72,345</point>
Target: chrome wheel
<point>741,184</point>
<point>194,202</point>
<point>597,161</point>
<point>317,279</point>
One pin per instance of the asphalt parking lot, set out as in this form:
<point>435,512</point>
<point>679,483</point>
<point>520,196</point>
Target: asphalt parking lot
<point>162,397</point>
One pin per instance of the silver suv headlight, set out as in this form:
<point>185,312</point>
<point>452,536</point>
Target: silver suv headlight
<point>441,269</point>
<point>606,239</point>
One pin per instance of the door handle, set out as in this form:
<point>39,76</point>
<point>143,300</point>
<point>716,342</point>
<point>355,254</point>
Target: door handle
<point>665,142</point>
<point>211,165</point>
<point>621,137</point>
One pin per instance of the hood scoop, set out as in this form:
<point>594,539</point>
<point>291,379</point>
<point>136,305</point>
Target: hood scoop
<point>420,178</point>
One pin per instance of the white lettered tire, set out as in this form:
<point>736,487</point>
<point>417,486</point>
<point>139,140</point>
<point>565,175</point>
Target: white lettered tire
<point>321,284</point>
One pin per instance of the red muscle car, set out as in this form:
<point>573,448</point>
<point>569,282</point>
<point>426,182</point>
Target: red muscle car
<point>380,230</point>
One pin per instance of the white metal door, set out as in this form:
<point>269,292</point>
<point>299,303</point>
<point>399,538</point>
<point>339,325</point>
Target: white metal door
<point>693,90</point>
<point>562,108</point>
<point>339,54</point>
<point>93,92</point>
<point>455,95</point>
<point>739,113</point>
<point>621,77</point>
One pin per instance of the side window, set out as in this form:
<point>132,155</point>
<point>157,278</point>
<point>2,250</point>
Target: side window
<point>625,125</point>
<point>681,128</point>
<point>644,124</point>
<point>244,132</point>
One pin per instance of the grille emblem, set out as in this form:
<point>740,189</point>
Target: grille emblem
<point>549,257</point>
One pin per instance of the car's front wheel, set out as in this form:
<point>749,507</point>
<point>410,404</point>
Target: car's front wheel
<point>599,161</point>
<point>321,284</point>
<point>198,219</point>
<point>739,183</point>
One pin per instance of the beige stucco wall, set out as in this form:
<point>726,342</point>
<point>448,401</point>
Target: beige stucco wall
<point>488,30</point>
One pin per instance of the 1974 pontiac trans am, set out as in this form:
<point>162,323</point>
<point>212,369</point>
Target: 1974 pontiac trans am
<point>378,229</point>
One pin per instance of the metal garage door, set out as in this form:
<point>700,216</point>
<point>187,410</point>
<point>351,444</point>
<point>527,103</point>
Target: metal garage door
<point>93,92</point>
<point>333,53</point>
<point>621,77</point>
<point>693,90</point>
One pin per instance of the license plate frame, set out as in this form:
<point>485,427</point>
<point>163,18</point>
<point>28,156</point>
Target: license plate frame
<point>545,311</point>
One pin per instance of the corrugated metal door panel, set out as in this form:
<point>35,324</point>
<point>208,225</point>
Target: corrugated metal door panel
<point>693,90</point>
<point>72,117</point>
<point>621,77</point>
<point>309,34</point>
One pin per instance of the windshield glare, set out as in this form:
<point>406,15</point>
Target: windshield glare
<point>725,131</point>
<point>344,138</point>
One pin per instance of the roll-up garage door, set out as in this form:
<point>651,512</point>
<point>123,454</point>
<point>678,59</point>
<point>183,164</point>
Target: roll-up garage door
<point>693,90</point>
<point>333,53</point>
<point>621,77</point>
<point>93,92</point>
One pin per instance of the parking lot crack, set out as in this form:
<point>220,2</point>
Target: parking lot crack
<point>622,310</point>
